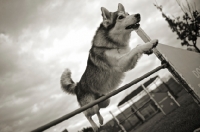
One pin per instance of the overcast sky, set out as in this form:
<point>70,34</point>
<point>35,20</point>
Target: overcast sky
<point>40,38</point>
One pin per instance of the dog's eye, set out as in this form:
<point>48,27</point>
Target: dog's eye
<point>120,17</point>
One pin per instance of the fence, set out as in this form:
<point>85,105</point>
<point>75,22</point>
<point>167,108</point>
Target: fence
<point>42,128</point>
<point>191,86</point>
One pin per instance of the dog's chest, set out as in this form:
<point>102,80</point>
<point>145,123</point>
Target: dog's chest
<point>124,50</point>
<point>118,52</point>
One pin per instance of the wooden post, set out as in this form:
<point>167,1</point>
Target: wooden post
<point>121,126</point>
<point>172,97</point>
<point>157,104</point>
<point>137,112</point>
<point>169,89</point>
<point>125,117</point>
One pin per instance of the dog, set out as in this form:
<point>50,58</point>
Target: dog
<point>109,58</point>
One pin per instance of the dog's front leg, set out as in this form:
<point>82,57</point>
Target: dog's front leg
<point>125,62</point>
<point>129,60</point>
<point>147,48</point>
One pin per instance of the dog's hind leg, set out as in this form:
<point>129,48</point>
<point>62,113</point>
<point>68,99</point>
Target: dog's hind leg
<point>104,104</point>
<point>100,118</point>
<point>94,125</point>
<point>91,111</point>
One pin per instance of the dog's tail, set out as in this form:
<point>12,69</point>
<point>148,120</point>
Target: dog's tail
<point>67,83</point>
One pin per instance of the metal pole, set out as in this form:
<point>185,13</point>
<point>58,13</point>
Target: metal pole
<point>77,111</point>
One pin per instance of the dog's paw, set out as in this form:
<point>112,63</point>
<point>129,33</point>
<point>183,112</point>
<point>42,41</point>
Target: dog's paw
<point>149,52</point>
<point>154,42</point>
<point>100,120</point>
<point>149,46</point>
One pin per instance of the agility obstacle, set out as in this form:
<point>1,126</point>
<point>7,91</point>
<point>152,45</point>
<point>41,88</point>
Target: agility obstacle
<point>161,98</point>
<point>159,101</point>
<point>103,98</point>
<point>182,64</point>
<point>187,73</point>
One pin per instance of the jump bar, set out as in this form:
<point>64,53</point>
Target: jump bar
<point>77,111</point>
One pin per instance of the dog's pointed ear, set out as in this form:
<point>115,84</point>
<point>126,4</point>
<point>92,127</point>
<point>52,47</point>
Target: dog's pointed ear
<point>106,17</point>
<point>121,7</point>
<point>105,13</point>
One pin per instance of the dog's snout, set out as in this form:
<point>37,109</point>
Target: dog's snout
<point>137,15</point>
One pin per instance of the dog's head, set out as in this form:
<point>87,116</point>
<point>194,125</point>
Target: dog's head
<point>119,24</point>
<point>120,21</point>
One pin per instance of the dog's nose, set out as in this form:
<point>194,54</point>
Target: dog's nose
<point>137,15</point>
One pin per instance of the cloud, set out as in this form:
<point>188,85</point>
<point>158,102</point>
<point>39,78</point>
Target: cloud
<point>17,16</point>
<point>39,39</point>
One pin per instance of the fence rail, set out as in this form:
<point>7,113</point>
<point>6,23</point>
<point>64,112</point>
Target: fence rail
<point>103,98</point>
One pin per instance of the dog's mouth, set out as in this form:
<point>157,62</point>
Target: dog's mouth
<point>133,26</point>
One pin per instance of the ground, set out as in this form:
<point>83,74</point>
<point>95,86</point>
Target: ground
<point>186,118</point>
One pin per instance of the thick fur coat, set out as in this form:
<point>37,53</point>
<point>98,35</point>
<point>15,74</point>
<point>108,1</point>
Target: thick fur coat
<point>109,58</point>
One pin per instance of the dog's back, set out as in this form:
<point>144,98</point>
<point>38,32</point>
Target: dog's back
<point>99,78</point>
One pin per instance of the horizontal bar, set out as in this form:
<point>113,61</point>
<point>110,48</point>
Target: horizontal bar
<point>77,111</point>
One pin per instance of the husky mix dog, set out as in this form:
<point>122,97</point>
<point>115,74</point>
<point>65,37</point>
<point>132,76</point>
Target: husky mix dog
<point>109,57</point>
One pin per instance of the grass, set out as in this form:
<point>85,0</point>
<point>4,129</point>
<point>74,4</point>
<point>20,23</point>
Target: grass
<point>185,118</point>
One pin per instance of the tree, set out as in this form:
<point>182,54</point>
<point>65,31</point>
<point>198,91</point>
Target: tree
<point>186,27</point>
<point>65,130</point>
<point>88,129</point>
